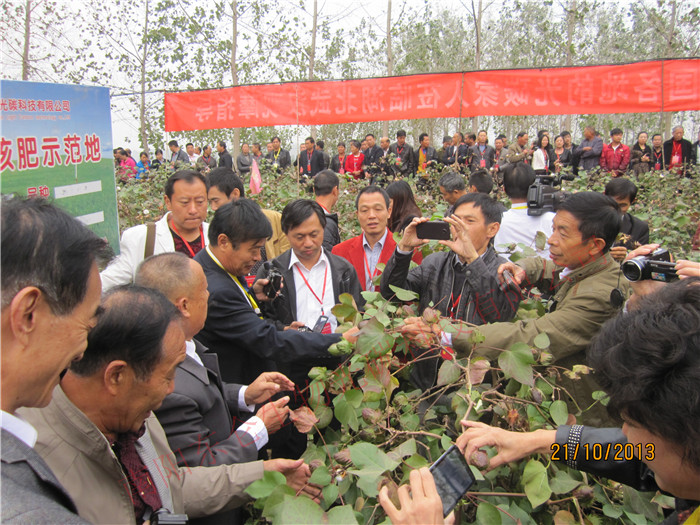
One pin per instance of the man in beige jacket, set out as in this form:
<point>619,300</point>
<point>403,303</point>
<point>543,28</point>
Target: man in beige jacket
<point>99,435</point>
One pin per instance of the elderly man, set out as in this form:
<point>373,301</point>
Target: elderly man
<point>587,154</point>
<point>679,152</point>
<point>452,187</point>
<point>182,229</point>
<point>99,434</point>
<point>177,155</point>
<point>47,311</point>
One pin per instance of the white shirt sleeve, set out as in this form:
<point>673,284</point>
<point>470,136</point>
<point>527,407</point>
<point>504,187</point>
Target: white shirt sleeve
<point>241,400</point>
<point>255,428</point>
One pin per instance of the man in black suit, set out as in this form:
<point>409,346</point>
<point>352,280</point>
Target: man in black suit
<point>310,159</point>
<point>404,154</point>
<point>47,311</point>
<point>278,157</point>
<point>624,191</point>
<point>679,152</point>
<point>373,156</point>
<point>225,159</point>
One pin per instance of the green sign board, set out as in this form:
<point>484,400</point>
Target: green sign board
<point>57,143</point>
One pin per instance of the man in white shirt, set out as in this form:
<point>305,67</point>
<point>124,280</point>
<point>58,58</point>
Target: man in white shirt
<point>47,311</point>
<point>517,227</point>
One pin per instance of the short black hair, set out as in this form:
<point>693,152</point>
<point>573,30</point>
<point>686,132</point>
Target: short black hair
<point>324,182</point>
<point>517,179</point>
<point>598,215</point>
<point>275,138</point>
<point>461,135</point>
<point>225,180</point>
<point>369,135</point>
<point>341,143</point>
<point>241,220</point>
<point>482,181</point>
<point>565,134</point>
<point>656,135</point>
<point>401,133</point>
<point>452,181</point>
<point>189,176</point>
<point>189,144</point>
<point>173,143</point>
<point>159,151</point>
<point>222,144</point>
<point>472,136</point>
<point>372,189</point>
<point>446,138</point>
<point>501,136</point>
<point>621,187</point>
<point>491,209</point>
<point>310,139</point>
<point>356,143</point>
<point>320,144</point>
<point>422,136</point>
<point>521,134</point>
<point>298,211</point>
<point>647,361</point>
<point>43,246</point>
<point>615,131</point>
<point>131,329</point>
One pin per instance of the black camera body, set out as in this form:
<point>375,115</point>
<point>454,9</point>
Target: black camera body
<point>656,266</point>
<point>542,196</point>
<point>275,278</point>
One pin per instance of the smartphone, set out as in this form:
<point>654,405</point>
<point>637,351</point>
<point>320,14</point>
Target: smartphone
<point>509,282</point>
<point>318,327</point>
<point>453,477</point>
<point>439,230</point>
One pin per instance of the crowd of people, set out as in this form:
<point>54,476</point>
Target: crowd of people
<point>466,154</point>
<point>162,384</point>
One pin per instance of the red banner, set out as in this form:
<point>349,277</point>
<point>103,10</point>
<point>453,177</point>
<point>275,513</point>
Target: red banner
<point>668,85</point>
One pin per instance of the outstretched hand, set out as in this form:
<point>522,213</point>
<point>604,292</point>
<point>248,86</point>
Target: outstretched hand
<point>265,386</point>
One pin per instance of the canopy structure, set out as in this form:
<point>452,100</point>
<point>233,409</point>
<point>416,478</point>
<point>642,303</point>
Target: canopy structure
<point>640,87</point>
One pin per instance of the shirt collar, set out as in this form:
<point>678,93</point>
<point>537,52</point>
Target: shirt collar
<point>293,259</point>
<point>19,428</point>
<point>380,242</point>
<point>191,350</point>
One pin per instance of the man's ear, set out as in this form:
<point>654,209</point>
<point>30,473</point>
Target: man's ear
<point>597,245</point>
<point>222,241</point>
<point>492,229</point>
<point>183,304</point>
<point>168,204</point>
<point>235,194</point>
<point>23,311</point>
<point>116,376</point>
<point>391,205</point>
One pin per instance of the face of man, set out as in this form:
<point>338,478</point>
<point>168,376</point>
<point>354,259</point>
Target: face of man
<point>671,472</point>
<point>450,196</point>
<point>624,203</point>
<point>363,147</point>
<point>341,150</point>
<point>588,133</point>
<point>197,298</point>
<point>144,158</point>
<point>482,138</point>
<point>256,150</point>
<point>616,139</point>
<point>190,150</point>
<point>371,142</point>
<point>372,213</point>
<point>159,156</point>
<point>198,150</point>
<point>309,146</point>
<point>218,198</point>
<point>207,151</point>
<point>678,134</point>
<point>498,144</point>
<point>147,395</point>
<point>401,141</point>
<point>269,147</point>
<point>469,141</point>
<point>276,144</point>
<point>219,148</point>
<point>425,142</point>
<point>523,140</point>
<point>566,246</point>
<point>61,339</point>
<point>245,149</point>
<point>479,232</point>
<point>306,240</point>
<point>188,205</point>
<point>657,141</point>
<point>240,260</point>
<point>456,139</point>
<point>567,141</point>
<point>173,148</point>
<point>384,143</point>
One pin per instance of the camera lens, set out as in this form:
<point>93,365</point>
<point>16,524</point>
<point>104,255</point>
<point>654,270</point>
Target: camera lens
<point>632,270</point>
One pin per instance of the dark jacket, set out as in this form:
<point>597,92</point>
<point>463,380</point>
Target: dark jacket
<point>316,163</point>
<point>180,156</point>
<point>372,156</point>
<point>225,160</point>
<point>244,163</point>
<point>589,160</point>
<point>477,157</point>
<point>247,345</point>
<point>30,491</point>
<point>404,153</point>
<point>284,159</point>
<point>458,154</point>
<point>337,163</point>
<point>331,233</point>
<point>480,298</point>
<point>687,152</point>
<point>636,164</point>
<point>637,229</point>
<point>430,156</point>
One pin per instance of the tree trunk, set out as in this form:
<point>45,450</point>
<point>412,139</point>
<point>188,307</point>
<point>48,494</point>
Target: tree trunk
<point>142,105</point>
<point>234,73</point>
<point>570,27</point>
<point>25,51</point>
<point>312,53</point>
<point>389,59</point>
<point>477,51</point>
<point>667,117</point>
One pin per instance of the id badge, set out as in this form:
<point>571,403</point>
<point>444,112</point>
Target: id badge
<point>326,328</point>
<point>657,166</point>
<point>676,159</point>
<point>275,165</point>
<point>482,163</point>
<point>341,171</point>
<point>250,279</point>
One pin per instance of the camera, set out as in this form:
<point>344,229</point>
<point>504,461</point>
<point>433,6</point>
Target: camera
<point>542,197</point>
<point>656,266</point>
<point>164,517</point>
<point>275,277</point>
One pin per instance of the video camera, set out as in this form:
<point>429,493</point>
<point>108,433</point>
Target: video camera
<point>656,266</point>
<point>542,197</point>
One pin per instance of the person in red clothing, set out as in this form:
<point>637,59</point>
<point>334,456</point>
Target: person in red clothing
<point>616,156</point>
<point>354,161</point>
<point>376,243</point>
<point>678,152</point>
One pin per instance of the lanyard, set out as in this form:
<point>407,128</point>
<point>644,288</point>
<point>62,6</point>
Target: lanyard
<point>187,245</point>
<point>354,161</point>
<point>308,161</point>
<point>455,303</point>
<point>246,293</point>
<point>399,151</point>
<point>323,294</point>
<point>376,270</point>
<point>341,161</point>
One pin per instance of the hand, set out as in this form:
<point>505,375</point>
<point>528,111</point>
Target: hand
<point>294,326</point>
<point>587,148</point>
<point>511,446</point>
<point>352,334</point>
<point>686,269</point>
<point>265,386</point>
<point>258,289</point>
<point>274,414</point>
<point>618,253</point>
<point>645,158</point>
<point>645,249</point>
<point>516,271</point>
<point>420,503</point>
<point>297,473</point>
<point>462,244</point>
<point>410,239</point>
<point>420,332</point>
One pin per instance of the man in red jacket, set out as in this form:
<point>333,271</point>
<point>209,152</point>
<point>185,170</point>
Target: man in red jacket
<point>376,243</point>
<point>616,156</point>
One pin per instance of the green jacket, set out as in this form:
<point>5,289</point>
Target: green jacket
<point>579,307</point>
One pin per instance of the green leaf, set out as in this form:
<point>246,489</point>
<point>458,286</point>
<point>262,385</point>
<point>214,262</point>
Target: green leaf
<point>367,455</point>
<point>403,295</point>
<point>516,362</point>
<point>407,448</point>
<point>345,413</point>
<point>374,341</point>
<point>600,395</point>
<point>369,296</point>
<point>536,483</point>
<point>383,318</point>
<point>346,298</point>
<point>320,476</point>
<point>409,421</point>
<point>445,442</point>
<point>487,514</point>
<point>343,311</point>
<point>416,461</point>
<point>637,519</point>
<point>541,341</point>
<point>368,480</point>
<point>298,510</point>
<point>449,373</point>
<point>563,483</point>
<point>354,398</point>
<point>559,412</point>
<point>612,511</point>
<point>540,240</point>
<point>263,487</point>
<point>343,515</point>
<point>324,415</point>
<point>330,494</point>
